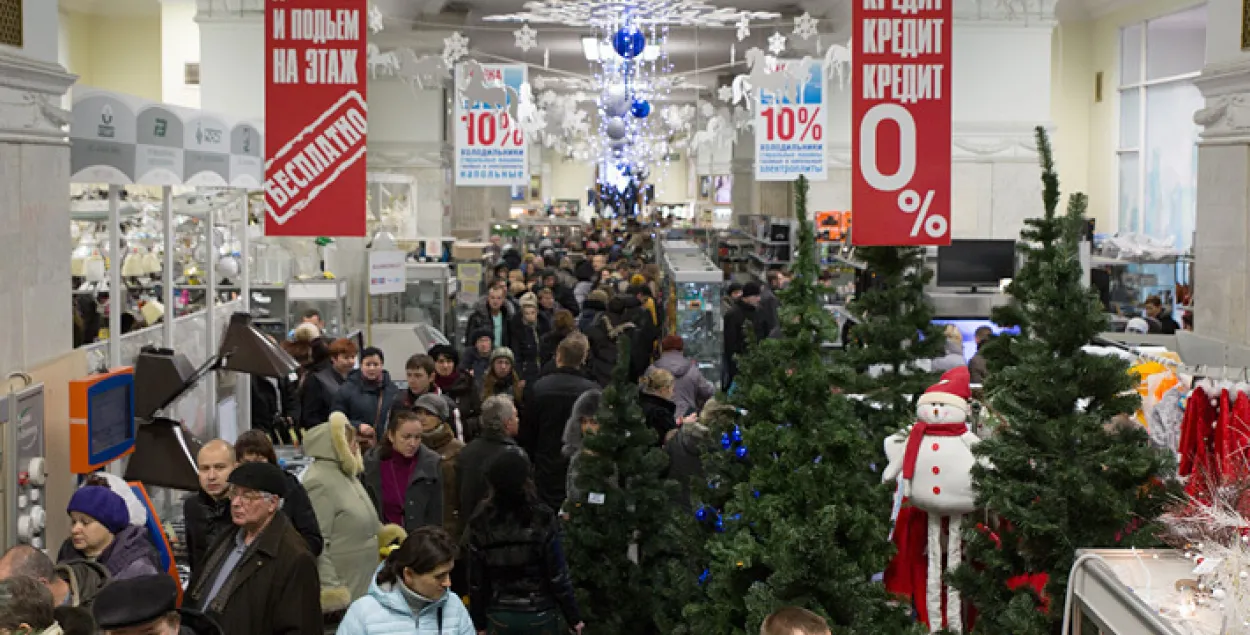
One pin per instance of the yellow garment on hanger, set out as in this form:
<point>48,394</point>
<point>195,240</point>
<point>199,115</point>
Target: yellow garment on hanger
<point>1145,370</point>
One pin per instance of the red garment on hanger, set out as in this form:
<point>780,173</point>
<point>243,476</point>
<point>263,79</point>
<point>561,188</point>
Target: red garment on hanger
<point>1236,457</point>
<point>1197,436</point>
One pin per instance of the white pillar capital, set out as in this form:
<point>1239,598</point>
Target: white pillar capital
<point>1020,13</point>
<point>229,10</point>
<point>30,100</point>
<point>1226,117</point>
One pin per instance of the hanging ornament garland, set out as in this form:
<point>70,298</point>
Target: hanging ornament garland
<point>526,38</point>
<point>642,13</point>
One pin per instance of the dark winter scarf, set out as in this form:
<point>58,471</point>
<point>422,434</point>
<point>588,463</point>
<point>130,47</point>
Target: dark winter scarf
<point>445,383</point>
<point>438,437</point>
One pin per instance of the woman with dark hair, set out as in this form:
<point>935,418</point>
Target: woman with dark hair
<point>561,327</point>
<point>403,476</point>
<point>518,579</point>
<point>458,385</point>
<point>410,594</point>
<point>367,394</point>
<point>319,386</point>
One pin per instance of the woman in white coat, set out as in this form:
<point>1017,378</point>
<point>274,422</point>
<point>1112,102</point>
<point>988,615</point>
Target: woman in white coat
<point>348,520</point>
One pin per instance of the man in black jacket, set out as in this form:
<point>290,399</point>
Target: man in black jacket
<point>563,295</point>
<point>254,447</point>
<point>206,513</point>
<point>745,314</point>
<point>548,403</point>
<point>498,429</point>
<point>605,332</point>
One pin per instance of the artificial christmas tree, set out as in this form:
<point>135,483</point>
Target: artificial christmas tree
<point>798,515</point>
<point>893,333</point>
<point>1058,478</point>
<point>618,531</point>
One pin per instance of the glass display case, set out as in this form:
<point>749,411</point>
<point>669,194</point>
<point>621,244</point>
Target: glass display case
<point>696,287</point>
<point>1141,592</point>
<point>561,234</point>
<point>329,297</point>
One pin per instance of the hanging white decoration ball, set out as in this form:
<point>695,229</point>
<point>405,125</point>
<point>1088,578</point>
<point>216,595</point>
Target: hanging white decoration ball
<point>616,107</point>
<point>1218,594</point>
<point>228,267</point>
<point>616,128</point>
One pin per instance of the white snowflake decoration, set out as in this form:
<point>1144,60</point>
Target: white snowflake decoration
<point>744,28</point>
<point>376,23</point>
<point>707,109</point>
<point>526,37</point>
<point>725,93</point>
<point>805,26</point>
<point>776,43</point>
<point>455,47</point>
<point>547,97</point>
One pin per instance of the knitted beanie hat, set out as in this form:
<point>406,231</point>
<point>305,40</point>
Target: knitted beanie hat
<point>502,352</point>
<point>103,505</point>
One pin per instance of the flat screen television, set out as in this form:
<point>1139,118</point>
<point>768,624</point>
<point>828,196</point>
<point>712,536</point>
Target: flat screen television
<point>976,263</point>
<point>968,330</point>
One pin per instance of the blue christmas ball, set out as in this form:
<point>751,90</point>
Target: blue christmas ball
<point>720,525</point>
<point>817,459</point>
<point>741,452</point>
<point>756,493</point>
<point>701,514</point>
<point>641,108</point>
<point>736,517</point>
<point>707,573</point>
<point>725,442</point>
<point>737,434</point>
<point>629,42</point>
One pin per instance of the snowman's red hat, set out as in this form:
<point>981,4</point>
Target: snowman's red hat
<point>954,389</point>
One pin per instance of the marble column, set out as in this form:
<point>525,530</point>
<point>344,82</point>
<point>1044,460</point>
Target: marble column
<point>1221,270</point>
<point>34,195</point>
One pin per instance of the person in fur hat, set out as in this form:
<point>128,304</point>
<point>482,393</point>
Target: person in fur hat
<point>349,522</point>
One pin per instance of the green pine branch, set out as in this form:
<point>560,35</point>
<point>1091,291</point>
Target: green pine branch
<point>803,517</point>
<point>1059,479</point>
<point>619,594</point>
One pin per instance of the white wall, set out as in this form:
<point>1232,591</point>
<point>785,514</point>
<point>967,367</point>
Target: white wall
<point>180,45</point>
<point>39,30</point>
<point>232,71</point>
<point>114,52</point>
<point>398,114</point>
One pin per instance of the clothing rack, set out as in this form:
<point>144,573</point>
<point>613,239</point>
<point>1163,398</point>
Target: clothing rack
<point>1196,371</point>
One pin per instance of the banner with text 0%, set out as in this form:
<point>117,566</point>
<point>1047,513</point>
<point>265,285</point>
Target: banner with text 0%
<point>490,145</point>
<point>315,117</point>
<point>789,119</point>
<point>901,122</point>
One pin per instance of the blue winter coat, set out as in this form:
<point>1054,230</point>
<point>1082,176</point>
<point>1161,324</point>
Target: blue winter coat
<point>384,611</point>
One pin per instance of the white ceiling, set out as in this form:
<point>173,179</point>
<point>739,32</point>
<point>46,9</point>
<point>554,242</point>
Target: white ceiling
<point>112,7</point>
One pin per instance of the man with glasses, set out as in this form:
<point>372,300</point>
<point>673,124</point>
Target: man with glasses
<point>259,578</point>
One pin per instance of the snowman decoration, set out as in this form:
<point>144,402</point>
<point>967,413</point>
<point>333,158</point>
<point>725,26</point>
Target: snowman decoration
<point>932,460</point>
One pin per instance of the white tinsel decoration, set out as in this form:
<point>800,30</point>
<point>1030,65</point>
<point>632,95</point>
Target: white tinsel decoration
<point>1216,536</point>
<point>744,28</point>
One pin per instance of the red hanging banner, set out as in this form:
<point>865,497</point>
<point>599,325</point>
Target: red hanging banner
<point>315,117</point>
<point>901,122</point>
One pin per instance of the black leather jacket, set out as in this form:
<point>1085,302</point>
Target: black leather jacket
<point>520,569</point>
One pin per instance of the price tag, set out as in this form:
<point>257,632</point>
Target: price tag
<point>595,498</point>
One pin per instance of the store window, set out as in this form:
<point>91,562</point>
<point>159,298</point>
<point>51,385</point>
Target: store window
<point>1158,151</point>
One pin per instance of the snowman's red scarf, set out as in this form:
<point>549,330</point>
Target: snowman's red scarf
<point>917,435</point>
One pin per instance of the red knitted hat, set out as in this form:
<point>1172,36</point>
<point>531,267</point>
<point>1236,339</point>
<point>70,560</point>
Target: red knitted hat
<point>953,389</point>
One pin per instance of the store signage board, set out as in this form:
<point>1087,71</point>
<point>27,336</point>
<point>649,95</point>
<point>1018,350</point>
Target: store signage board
<point>159,157</point>
<point>247,160</point>
<point>790,122</point>
<point>315,117</point>
<point>119,139</point>
<point>491,148</point>
<point>207,140</point>
<point>387,272</point>
<point>102,138</point>
<point>901,122</point>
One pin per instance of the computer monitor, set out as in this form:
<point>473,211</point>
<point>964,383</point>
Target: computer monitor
<point>976,263</point>
<point>968,330</point>
<point>102,419</point>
